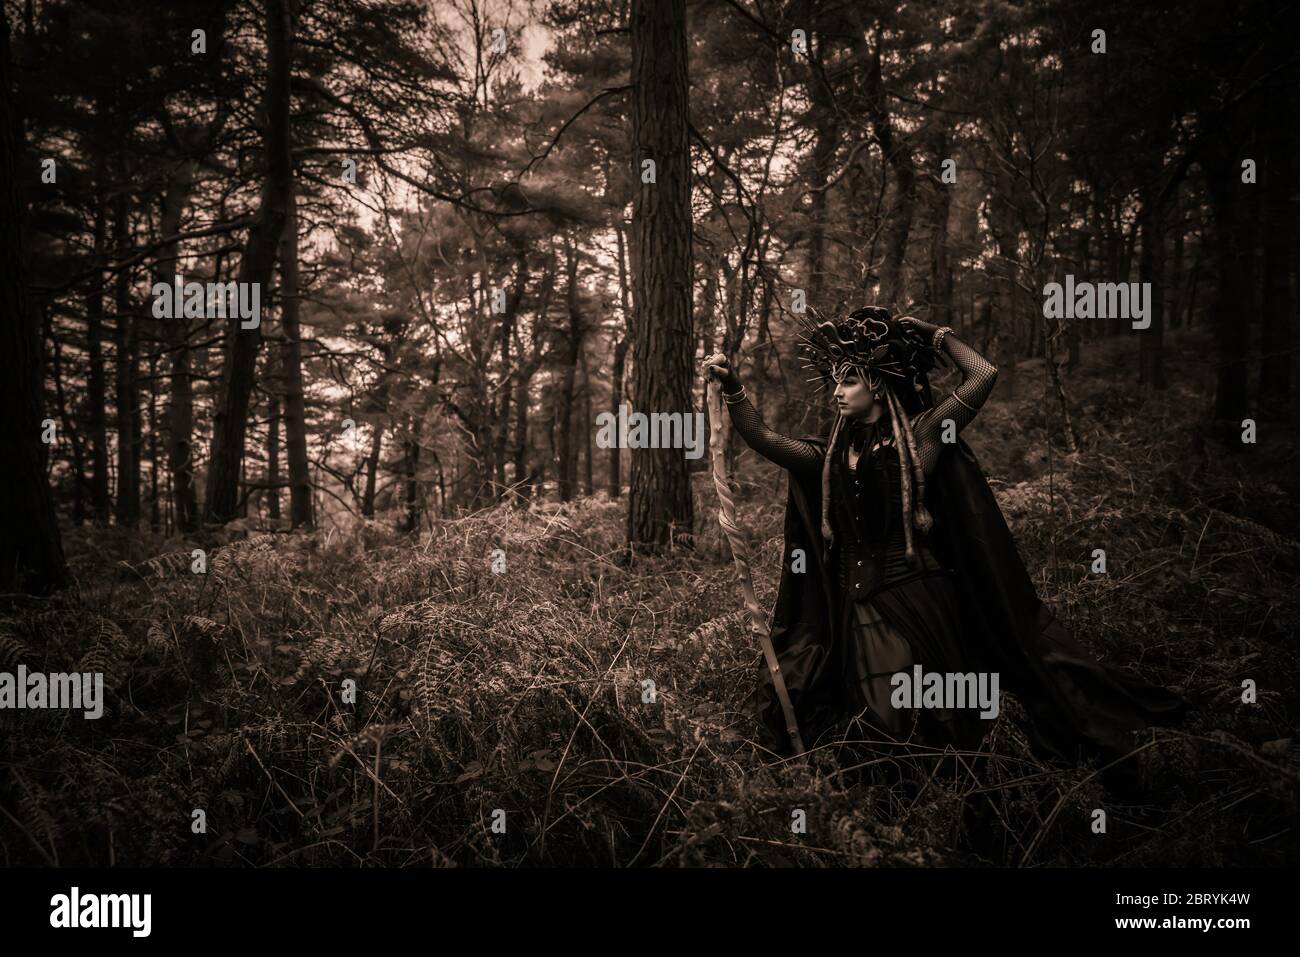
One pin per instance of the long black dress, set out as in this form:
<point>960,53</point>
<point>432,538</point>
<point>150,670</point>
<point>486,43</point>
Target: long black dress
<point>895,614</point>
<point>977,610</point>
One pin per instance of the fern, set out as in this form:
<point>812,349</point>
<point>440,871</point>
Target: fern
<point>158,637</point>
<point>33,802</point>
<point>1253,528</point>
<point>12,652</point>
<point>367,739</point>
<point>716,628</point>
<point>256,554</point>
<point>107,655</point>
<point>205,627</point>
<point>167,564</point>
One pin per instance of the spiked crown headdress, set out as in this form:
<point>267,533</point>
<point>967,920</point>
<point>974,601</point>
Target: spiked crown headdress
<point>870,341</point>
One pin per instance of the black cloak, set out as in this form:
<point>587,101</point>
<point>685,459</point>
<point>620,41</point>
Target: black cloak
<point>1079,707</point>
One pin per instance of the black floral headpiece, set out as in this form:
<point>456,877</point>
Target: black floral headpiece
<point>869,341</point>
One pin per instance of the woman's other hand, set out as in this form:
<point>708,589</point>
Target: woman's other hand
<point>717,367</point>
<point>923,328</point>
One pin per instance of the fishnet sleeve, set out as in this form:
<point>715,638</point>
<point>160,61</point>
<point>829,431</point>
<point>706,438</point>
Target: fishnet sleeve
<point>978,377</point>
<point>794,454</point>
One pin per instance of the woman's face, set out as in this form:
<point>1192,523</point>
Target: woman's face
<point>853,397</point>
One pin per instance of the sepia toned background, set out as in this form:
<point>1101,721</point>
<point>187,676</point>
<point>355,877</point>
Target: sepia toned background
<point>365,588</point>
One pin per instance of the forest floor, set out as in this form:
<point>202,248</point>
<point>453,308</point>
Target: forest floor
<point>524,692</point>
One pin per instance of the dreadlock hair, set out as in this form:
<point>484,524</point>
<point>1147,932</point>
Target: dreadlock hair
<point>909,466</point>
<point>826,479</point>
<point>911,472</point>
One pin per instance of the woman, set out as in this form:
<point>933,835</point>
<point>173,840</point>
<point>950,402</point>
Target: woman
<point>907,560</point>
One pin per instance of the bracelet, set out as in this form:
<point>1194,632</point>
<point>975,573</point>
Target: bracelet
<point>731,398</point>
<point>937,342</point>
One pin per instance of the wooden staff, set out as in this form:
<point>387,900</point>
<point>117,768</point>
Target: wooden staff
<point>740,553</point>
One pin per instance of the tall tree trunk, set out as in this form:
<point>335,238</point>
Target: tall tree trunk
<point>1114,258</point>
<point>705,317</point>
<point>659,504</point>
<point>31,549</point>
<point>1151,268</point>
<point>940,296</point>
<point>96,390</point>
<point>586,422</point>
<point>1234,255</point>
<point>615,484</point>
<point>899,157</point>
<point>1072,329</point>
<point>1279,225</point>
<point>127,391</point>
<point>501,423</point>
<point>1118,324</point>
<point>412,448</point>
<point>1005,324</point>
<point>77,444</point>
<point>565,448</point>
<point>230,414</point>
<point>1053,370</point>
<point>180,404</point>
<point>372,470</point>
<point>273,457</point>
<point>1175,281</point>
<point>620,365</point>
<point>155,516</point>
<point>295,404</point>
<point>521,434</point>
<point>1198,258</point>
<point>826,138</point>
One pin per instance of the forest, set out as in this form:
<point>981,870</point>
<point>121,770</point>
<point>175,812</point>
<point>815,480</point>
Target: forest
<point>315,314</point>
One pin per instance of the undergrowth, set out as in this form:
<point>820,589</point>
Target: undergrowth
<point>528,692</point>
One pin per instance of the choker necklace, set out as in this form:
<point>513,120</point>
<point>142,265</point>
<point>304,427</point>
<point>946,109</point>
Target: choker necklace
<point>859,433</point>
<point>862,436</point>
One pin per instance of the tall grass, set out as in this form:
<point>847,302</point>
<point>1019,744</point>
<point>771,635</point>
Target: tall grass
<point>524,697</point>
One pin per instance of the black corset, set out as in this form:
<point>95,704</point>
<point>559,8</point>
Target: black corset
<point>867,515</point>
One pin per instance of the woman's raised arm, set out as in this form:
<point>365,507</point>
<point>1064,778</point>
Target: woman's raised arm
<point>978,377</point>
<point>962,405</point>
<point>793,454</point>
